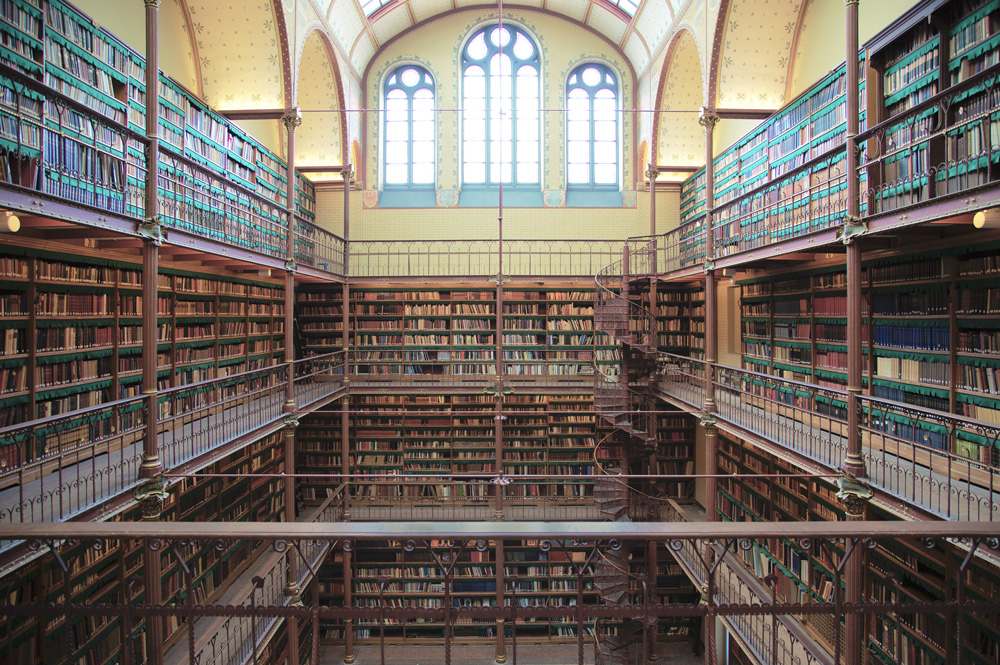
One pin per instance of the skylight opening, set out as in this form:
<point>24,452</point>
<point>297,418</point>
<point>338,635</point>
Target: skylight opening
<point>369,7</point>
<point>627,6</point>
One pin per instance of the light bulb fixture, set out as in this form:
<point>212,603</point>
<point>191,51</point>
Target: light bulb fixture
<point>987,219</point>
<point>11,223</point>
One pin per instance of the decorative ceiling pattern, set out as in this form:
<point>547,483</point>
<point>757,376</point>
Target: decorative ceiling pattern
<point>239,53</point>
<point>318,140</point>
<point>756,50</point>
<point>682,139</point>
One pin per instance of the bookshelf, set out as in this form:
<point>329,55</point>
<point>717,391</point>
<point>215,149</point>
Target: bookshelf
<point>79,344</point>
<point>112,573</point>
<point>449,329</point>
<point>215,180</point>
<point>913,307</point>
<point>680,319</point>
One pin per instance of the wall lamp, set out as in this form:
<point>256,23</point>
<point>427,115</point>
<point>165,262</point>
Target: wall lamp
<point>10,223</point>
<point>987,219</point>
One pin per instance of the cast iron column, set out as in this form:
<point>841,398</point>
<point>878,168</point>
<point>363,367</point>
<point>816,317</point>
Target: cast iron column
<point>708,120</point>
<point>150,229</point>
<point>854,490</point>
<point>291,121</point>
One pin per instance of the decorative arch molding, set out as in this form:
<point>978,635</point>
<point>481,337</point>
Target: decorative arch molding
<point>718,35</point>
<point>288,78</point>
<point>186,16</point>
<point>676,39</point>
<point>793,53</point>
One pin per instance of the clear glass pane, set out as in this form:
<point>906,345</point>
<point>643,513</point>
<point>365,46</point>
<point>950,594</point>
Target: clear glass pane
<point>500,36</point>
<point>423,131</point>
<point>605,153</point>
<point>578,173</point>
<point>476,49</point>
<point>395,153</point>
<point>578,152</point>
<point>523,48</point>
<point>474,172</point>
<point>475,82</point>
<point>410,77</point>
<point>423,174</point>
<point>605,131</point>
<point>500,151</point>
<point>578,130</point>
<point>500,173</point>
<point>395,174</point>
<point>475,151</point>
<point>605,174</point>
<point>527,151</point>
<point>527,173</point>
<point>423,151</point>
<point>527,130</point>
<point>500,65</point>
<point>591,76</point>
<point>397,131</point>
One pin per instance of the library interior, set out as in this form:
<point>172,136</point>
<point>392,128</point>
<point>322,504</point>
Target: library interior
<point>577,331</point>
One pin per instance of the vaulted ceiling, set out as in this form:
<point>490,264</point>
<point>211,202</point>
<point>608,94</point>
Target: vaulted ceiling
<point>636,27</point>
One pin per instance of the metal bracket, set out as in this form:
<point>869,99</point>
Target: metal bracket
<point>498,279</point>
<point>291,422</point>
<point>852,228</point>
<point>506,390</point>
<point>291,265</point>
<point>150,229</point>
<point>855,493</point>
<point>150,494</point>
<point>708,266</point>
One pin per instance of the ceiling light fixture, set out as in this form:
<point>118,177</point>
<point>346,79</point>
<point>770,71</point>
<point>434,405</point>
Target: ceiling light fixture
<point>987,219</point>
<point>11,223</point>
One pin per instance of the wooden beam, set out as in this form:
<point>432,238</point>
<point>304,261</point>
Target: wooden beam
<point>254,114</point>
<point>745,114</point>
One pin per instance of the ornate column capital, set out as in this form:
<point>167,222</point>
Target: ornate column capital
<point>292,119</point>
<point>155,4</point>
<point>707,119</point>
<point>347,172</point>
<point>855,493</point>
<point>150,495</point>
<point>652,173</point>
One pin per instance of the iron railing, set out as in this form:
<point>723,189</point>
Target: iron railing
<point>479,258</point>
<point>746,607</point>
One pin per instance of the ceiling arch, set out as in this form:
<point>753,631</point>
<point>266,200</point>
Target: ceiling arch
<point>680,139</point>
<point>752,53</point>
<point>321,139</point>
<point>239,53</point>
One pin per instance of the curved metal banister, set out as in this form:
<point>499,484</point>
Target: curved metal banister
<point>616,315</point>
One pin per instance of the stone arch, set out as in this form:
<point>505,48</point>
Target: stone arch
<point>678,138</point>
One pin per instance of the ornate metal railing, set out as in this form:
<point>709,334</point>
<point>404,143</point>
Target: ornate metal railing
<point>747,608</point>
<point>912,453</point>
<point>480,258</point>
<point>940,147</point>
<point>318,377</point>
<point>615,314</point>
<point>318,248</point>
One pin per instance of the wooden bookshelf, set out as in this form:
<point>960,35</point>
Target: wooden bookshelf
<point>79,345</point>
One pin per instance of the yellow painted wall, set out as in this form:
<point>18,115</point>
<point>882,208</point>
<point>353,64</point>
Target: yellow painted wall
<point>821,42</point>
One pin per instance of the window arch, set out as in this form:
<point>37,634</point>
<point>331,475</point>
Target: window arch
<point>592,126</point>
<point>409,127</point>
<point>501,120</point>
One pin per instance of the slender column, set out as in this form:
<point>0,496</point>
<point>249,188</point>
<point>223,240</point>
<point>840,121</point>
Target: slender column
<point>151,493</point>
<point>652,173</point>
<point>708,120</point>
<point>347,173</point>
<point>150,229</point>
<point>291,121</point>
<point>501,655</point>
<point>349,655</point>
<point>654,629</point>
<point>854,490</point>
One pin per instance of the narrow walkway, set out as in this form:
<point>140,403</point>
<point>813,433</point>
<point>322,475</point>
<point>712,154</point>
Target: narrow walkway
<point>670,653</point>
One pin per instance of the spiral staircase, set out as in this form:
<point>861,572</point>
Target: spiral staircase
<point>630,412</point>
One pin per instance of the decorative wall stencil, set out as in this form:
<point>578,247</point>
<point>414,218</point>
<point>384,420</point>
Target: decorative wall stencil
<point>629,198</point>
<point>447,198</point>
<point>369,199</point>
<point>554,198</point>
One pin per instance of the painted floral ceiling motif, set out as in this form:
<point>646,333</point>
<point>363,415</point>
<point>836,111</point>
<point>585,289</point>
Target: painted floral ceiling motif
<point>318,140</point>
<point>238,51</point>
<point>682,139</point>
<point>756,50</point>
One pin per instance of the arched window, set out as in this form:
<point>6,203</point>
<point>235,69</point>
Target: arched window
<point>592,126</point>
<point>500,126</point>
<point>409,127</point>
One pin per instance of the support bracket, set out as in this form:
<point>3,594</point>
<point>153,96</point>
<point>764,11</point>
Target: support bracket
<point>854,493</point>
<point>150,494</point>
<point>853,227</point>
<point>151,229</point>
